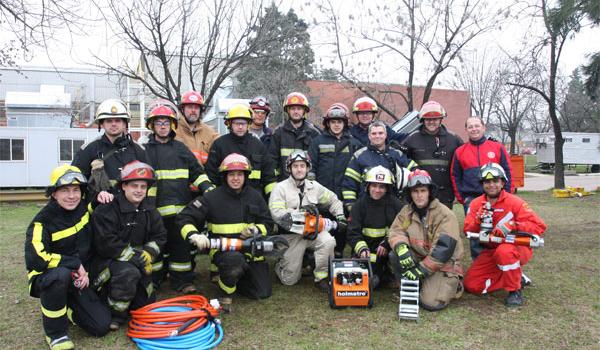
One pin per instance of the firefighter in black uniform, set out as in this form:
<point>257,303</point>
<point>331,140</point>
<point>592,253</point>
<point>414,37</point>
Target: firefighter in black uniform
<point>295,133</point>
<point>432,146</point>
<point>330,153</point>
<point>370,219</point>
<point>102,159</point>
<point>128,236</point>
<point>57,253</point>
<point>176,168</point>
<point>233,210</point>
<point>239,140</point>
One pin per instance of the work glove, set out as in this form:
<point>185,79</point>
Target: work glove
<point>311,209</point>
<point>483,213</point>
<point>342,223</point>
<point>249,232</point>
<point>140,261</point>
<point>416,273</point>
<point>503,228</point>
<point>348,207</point>
<point>364,253</point>
<point>405,258</point>
<point>200,241</point>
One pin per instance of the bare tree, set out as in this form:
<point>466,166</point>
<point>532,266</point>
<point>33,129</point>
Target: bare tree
<point>416,35</point>
<point>26,25</point>
<point>184,43</point>
<point>560,24</point>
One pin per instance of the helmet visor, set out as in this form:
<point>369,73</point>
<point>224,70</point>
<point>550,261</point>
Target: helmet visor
<point>336,113</point>
<point>71,178</point>
<point>490,173</point>
<point>418,180</point>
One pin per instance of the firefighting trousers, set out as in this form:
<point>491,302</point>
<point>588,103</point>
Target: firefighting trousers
<point>62,302</point>
<point>289,267</point>
<point>128,288</point>
<point>498,268</point>
<point>237,273</point>
<point>179,261</point>
<point>435,291</point>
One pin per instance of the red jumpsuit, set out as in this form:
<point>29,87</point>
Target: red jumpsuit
<point>499,266</point>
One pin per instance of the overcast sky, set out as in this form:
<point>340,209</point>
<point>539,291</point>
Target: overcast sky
<point>76,53</point>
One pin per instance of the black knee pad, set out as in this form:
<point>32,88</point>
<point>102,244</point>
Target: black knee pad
<point>124,280</point>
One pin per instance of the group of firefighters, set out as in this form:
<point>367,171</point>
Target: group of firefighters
<point>123,217</point>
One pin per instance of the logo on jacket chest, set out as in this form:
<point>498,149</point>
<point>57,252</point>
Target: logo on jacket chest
<point>491,155</point>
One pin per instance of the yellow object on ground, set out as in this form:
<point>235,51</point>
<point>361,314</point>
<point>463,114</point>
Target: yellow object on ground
<point>569,192</point>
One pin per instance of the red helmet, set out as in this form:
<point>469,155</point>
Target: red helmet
<point>235,161</point>
<point>192,97</point>
<point>260,103</point>
<point>432,110</point>
<point>137,170</point>
<point>336,111</point>
<point>296,99</point>
<point>162,111</point>
<point>365,104</point>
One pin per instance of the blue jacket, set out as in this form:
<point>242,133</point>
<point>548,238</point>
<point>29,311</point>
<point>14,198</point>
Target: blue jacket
<point>330,157</point>
<point>364,159</point>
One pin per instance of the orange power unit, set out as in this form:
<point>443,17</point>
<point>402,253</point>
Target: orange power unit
<point>350,283</point>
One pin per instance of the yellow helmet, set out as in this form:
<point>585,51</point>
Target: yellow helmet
<point>380,175</point>
<point>65,175</point>
<point>238,111</point>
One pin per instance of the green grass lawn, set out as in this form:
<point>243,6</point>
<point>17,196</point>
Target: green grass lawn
<point>562,309</point>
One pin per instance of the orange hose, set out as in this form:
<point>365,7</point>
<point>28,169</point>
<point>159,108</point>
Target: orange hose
<point>146,323</point>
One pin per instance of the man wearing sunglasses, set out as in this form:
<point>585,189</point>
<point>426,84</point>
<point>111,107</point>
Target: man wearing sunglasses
<point>176,169</point>
<point>432,147</point>
<point>330,153</point>
<point>499,265</point>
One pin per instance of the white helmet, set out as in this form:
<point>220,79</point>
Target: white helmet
<point>112,108</point>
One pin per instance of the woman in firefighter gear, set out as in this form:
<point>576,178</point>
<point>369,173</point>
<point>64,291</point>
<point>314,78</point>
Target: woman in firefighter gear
<point>233,210</point>
<point>239,140</point>
<point>191,130</point>
<point>432,146</point>
<point>128,236</point>
<point>499,265</point>
<point>102,159</point>
<point>176,168</point>
<point>57,256</point>
<point>426,244</point>
<point>330,153</point>
<point>295,195</point>
<point>370,219</point>
<point>376,153</point>
<point>295,133</point>
<point>261,108</point>
<point>365,110</point>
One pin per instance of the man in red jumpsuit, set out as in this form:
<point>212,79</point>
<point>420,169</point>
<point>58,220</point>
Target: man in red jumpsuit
<point>499,266</point>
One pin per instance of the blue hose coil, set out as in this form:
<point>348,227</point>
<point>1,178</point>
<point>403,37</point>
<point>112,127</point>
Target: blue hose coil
<point>201,339</point>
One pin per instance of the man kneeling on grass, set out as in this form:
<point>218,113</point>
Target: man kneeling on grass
<point>57,251</point>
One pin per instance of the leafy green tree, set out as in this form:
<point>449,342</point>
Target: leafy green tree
<point>282,64</point>
<point>578,113</point>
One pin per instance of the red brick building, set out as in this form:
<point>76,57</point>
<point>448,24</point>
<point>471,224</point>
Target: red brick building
<point>323,93</point>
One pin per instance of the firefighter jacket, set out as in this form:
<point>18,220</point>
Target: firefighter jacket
<point>226,213</point>
<point>198,137</point>
<point>467,162</point>
<point>264,135</point>
<point>175,167</point>
<point>362,135</point>
<point>119,227</point>
<point>364,159</point>
<point>370,221</point>
<point>434,154</point>
<point>262,177</point>
<point>435,240</point>
<point>285,140</point>
<point>525,219</point>
<point>330,157</point>
<point>58,237</point>
<point>115,155</point>
<point>287,197</point>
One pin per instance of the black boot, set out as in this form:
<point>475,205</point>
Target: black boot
<point>514,298</point>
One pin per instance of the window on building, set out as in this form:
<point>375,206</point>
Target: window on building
<point>12,149</point>
<point>68,148</point>
<point>586,140</point>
